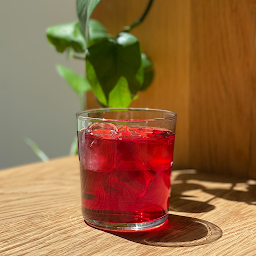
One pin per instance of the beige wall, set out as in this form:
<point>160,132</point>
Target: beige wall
<point>34,100</point>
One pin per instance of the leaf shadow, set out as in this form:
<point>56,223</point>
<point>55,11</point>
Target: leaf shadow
<point>235,189</point>
<point>185,203</point>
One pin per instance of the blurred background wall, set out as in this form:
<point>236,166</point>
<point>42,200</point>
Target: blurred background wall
<point>34,101</point>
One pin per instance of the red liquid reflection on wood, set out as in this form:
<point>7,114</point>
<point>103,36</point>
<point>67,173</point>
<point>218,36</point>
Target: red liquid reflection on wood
<point>125,173</point>
<point>176,231</point>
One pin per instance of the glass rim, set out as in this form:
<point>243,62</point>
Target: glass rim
<point>172,116</point>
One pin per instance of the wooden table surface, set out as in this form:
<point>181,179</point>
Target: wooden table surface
<point>40,214</point>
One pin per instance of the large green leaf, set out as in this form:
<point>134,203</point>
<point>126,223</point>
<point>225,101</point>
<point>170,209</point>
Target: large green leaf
<point>97,32</point>
<point>84,9</point>
<point>96,86</point>
<point>148,72</point>
<point>78,83</point>
<point>120,96</point>
<point>109,60</point>
<point>66,36</point>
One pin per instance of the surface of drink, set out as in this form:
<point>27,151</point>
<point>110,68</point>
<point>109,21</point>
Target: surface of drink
<point>125,172</point>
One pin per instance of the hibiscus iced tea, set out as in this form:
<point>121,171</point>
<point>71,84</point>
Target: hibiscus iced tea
<point>125,171</point>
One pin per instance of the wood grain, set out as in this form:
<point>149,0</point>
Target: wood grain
<point>204,55</point>
<point>223,79</point>
<point>40,215</point>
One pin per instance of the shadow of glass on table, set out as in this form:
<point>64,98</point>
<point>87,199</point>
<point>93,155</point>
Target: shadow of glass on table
<point>179,231</point>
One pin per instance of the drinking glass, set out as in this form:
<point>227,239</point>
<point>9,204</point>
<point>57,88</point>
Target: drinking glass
<point>126,157</point>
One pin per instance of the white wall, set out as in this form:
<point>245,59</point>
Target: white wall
<point>34,100</point>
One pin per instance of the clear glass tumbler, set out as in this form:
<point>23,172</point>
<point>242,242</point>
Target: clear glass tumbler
<point>125,158</point>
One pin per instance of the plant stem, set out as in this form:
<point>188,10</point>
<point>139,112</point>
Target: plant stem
<point>78,57</point>
<point>138,21</point>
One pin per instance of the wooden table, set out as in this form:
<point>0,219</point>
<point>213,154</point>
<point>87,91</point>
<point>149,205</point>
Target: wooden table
<point>40,215</point>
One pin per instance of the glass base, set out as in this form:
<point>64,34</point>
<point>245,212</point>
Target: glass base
<point>126,227</point>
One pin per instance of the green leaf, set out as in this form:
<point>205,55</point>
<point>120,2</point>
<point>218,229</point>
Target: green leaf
<point>78,83</point>
<point>74,147</point>
<point>67,35</point>
<point>97,32</point>
<point>96,87</point>
<point>120,96</point>
<point>109,60</point>
<point>36,150</point>
<point>148,72</point>
<point>84,9</point>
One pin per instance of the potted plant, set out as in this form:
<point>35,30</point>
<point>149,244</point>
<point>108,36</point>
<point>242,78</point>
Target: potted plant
<point>116,68</point>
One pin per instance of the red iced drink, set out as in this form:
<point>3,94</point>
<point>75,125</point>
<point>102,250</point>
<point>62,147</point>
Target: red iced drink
<point>125,172</point>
